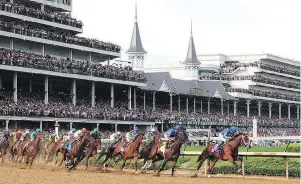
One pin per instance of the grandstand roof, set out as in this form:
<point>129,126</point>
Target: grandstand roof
<point>136,44</point>
<point>162,81</point>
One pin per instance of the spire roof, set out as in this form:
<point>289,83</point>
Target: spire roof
<point>191,57</point>
<point>136,44</point>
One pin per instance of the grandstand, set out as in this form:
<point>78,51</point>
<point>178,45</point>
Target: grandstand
<point>49,75</point>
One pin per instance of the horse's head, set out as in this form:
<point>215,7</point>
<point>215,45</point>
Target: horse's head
<point>157,139</point>
<point>86,136</point>
<point>140,137</point>
<point>182,136</point>
<point>40,135</point>
<point>244,140</point>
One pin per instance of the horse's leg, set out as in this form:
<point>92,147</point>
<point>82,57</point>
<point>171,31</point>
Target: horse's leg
<point>87,160</point>
<point>162,167</point>
<point>144,164</point>
<point>135,161</point>
<point>234,164</point>
<point>201,159</point>
<point>238,158</point>
<point>63,154</point>
<point>174,162</point>
<point>123,164</point>
<point>212,163</point>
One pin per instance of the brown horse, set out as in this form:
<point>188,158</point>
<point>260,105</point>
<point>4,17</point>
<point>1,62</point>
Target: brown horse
<point>91,150</point>
<point>150,151</point>
<point>131,151</point>
<point>230,153</point>
<point>18,149</point>
<point>31,151</point>
<point>76,153</point>
<point>49,150</point>
<point>173,152</point>
<point>5,144</point>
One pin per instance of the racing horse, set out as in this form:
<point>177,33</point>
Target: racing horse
<point>76,153</point>
<point>49,149</point>
<point>229,153</point>
<point>5,145</point>
<point>91,150</point>
<point>32,150</point>
<point>19,148</point>
<point>172,153</point>
<point>131,151</point>
<point>150,151</point>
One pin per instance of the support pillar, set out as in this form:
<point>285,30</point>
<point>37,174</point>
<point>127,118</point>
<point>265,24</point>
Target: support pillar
<point>15,81</point>
<point>50,86</point>
<point>222,106</point>
<point>74,92</point>
<point>93,94</point>
<point>270,110</point>
<point>187,105</point>
<point>71,54</point>
<point>248,108</point>
<point>209,106</point>
<point>194,104</point>
<point>228,108</point>
<point>162,127</point>
<point>112,96</point>
<point>154,101</point>
<point>179,103</point>
<point>11,44</point>
<point>43,49</point>
<point>42,7</point>
<point>130,98</point>
<point>41,125</point>
<point>298,112</point>
<point>70,126</point>
<point>144,104</point>
<point>235,108</point>
<point>289,111</point>
<point>30,86</point>
<point>97,126</point>
<point>0,82</point>
<point>90,57</point>
<point>259,108</point>
<point>116,127</point>
<point>170,102</point>
<point>46,90</point>
<point>6,124</point>
<point>280,104</point>
<point>135,98</point>
<point>201,105</point>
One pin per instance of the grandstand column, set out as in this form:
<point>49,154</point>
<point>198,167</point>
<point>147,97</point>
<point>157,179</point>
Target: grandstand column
<point>90,57</point>
<point>154,101</point>
<point>187,105</point>
<point>289,111</point>
<point>222,106</point>
<point>170,102</point>
<point>70,54</point>
<point>259,108</point>
<point>130,98</point>
<point>42,7</point>
<point>135,98</point>
<point>0,82</point>
<point>162,127</point>
<point>112,96</point>
<point>41,125</point>
<point>270,110</point>
<point>11,43</point>
<point>116,127</point>
<point>30,85</point>
<point>179,103</point>
<point>6,124</point>
<point>46,90</point>
<point>298,112</point>
<point>70,126</point>
<point>15,87</point>
<point>235,108</point>
<point>43,50</point>
<point>97,126</point>
<point>208,105</point>
<point>50,86</point>
<point>280,104</point>
<point>74,92</point>
<point>228,107</point>
<point>93,94</point>
<point>194,104</point>
<point>201,105</point>
<point>144,101</point>
<point>248,107</point>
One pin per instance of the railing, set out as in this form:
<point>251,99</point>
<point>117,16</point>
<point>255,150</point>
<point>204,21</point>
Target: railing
<point>252,154</point>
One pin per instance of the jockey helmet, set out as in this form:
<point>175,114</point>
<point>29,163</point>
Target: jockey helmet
<point>19,131</point>
<point>95,129</point>
<point>153,130</point>
<point>234,129</point>
<point>38,130</point>
<point>73,130</point>
<point>178,127</point>
<point>118,133</point>
<point>136,129</point>
<point>84,130</point>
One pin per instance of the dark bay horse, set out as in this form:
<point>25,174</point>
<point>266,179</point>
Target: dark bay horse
<point>110,150</point>
<point>173,152</point>
<point>91,150</point>
<point>49,149</point>
<point>19,148</point>
<point>31,151</point>
<point>5,144</point>
<point>150,151</point>
<point>76,153</point>
<point>230,153</point>
<point>131,151</point>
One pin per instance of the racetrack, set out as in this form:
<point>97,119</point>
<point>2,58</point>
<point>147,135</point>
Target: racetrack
<point>49,174</point>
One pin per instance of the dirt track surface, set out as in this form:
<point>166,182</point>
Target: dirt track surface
<point>48,174</point>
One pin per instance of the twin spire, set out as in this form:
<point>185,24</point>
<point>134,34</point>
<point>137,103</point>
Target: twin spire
<point>136,44</point>
<point>191,58</point>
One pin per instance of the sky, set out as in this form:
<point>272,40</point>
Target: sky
<point>219,26</point>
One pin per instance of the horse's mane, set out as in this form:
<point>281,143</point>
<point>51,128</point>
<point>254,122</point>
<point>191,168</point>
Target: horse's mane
<point>237,135</point>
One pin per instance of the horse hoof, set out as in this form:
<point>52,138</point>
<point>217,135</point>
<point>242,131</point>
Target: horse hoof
<point>239,171</point>
<point>194,176</point>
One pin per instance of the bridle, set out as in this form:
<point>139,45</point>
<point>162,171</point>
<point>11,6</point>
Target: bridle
<point>244,141</point>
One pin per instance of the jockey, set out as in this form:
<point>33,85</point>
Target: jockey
<point>149,136</point>
<point>130,136</point>
<point>115,136</point>
<point>224,135</point>
<point>70,138</point>
<point>34,134</point>
<point>95,134</point>
<point>78,134</point>
<point>24,135</point>
<point>6,135</point>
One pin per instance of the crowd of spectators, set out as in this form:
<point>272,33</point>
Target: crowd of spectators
<point>281,69</point>
<point>34,60</point>
<point>65,37</point>
<point>27,10</point>
<point>231,67</point>
<point>256,92</point>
